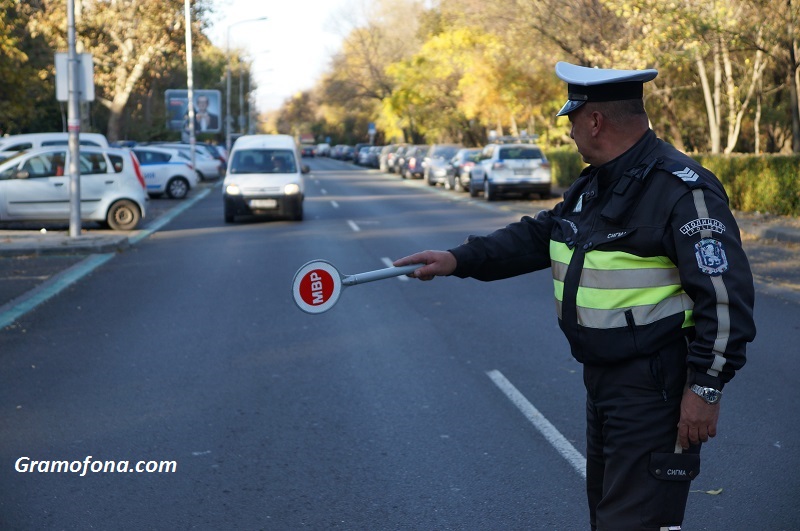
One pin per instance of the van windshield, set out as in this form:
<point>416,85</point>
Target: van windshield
<point>263,161</point>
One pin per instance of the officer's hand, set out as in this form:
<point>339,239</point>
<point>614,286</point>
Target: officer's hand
<point>698,420</point>
<point>437,264</point>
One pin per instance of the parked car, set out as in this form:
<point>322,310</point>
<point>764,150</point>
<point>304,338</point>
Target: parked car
<point>217,152</point>
<point>373,157</point>
<point>166,170</point>
<point>394,163</point>
<point>206,166</point>
<point>460,167</point>
<point>435,162</point>
<point>357,149</point>
<point>387,156</point>
<point>410,166</point>
<point>264,178</point>
<point>37,140</point>
<point>323,150</point>
<point>34,186</point>
<point>511,168</point>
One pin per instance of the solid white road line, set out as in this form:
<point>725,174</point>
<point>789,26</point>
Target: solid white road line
<point>553,436</point>
<point>353,225</point>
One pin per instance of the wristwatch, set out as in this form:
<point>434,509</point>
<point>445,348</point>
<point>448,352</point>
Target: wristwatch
<point>709,394</point>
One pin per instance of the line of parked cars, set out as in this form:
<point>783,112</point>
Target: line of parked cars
<point>506,166</point>
<point>115,181</point>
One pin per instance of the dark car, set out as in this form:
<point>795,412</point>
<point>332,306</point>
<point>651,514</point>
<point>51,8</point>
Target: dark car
<point>357,152</point>
<point>410,166</point>
<point>435,162</point>
<point>307,150</point>
<point>394,163</point>
<point>459,168</point>
<point>386,160</point>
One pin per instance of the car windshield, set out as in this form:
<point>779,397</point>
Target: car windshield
<point>446,152</point>
<point>263,161</point>
<point>510,153</point>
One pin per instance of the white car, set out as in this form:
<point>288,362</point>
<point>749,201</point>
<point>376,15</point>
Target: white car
<point>207,167</point>
<point>265,178</point>
<point>166,170</point>
<point>36,140</point>
<point>511,168</point>
<point>34,186</point>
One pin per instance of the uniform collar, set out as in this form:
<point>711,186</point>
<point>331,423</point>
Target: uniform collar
<point>612,170</point>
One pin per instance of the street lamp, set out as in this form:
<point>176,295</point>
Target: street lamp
<point>228,79</point>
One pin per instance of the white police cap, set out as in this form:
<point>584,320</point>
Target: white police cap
<point>600,84</point>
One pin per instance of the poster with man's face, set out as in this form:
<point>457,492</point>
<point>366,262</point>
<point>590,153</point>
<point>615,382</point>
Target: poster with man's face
<point>207,106</point>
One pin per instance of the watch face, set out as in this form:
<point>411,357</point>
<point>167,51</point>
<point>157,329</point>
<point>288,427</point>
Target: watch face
<point>711,395</point>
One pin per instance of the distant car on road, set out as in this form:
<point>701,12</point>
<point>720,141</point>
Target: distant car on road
<point>307,150</point>
<point>206,165</point>
<point>511,168</point>
<point>410,164</point>
<point>460,167</point>
<point>166,170</point>
<point>34,186</point>
<point>264,178</point>
<point>36,140</point>
<point>435,162</point>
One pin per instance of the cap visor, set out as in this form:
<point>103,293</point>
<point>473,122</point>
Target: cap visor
<point>570,106</point>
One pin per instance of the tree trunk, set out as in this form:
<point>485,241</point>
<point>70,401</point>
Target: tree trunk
<point>713,123</point>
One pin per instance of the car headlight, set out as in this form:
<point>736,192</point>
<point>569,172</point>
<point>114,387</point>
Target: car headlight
<point>291,189</point>
<point>232,189</point>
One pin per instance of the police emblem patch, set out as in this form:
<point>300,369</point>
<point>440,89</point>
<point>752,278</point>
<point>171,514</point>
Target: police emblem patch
<point>711,258</point>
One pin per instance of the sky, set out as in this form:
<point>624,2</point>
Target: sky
<point>290,50</point>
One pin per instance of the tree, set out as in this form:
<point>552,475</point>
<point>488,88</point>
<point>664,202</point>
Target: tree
<point>128,40</point>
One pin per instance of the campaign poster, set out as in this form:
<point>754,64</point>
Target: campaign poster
<point>207,110</point>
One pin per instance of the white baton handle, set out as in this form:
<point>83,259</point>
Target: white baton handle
<point>379,274</point>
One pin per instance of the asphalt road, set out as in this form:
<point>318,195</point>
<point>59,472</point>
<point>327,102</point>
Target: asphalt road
<point>393,410</point>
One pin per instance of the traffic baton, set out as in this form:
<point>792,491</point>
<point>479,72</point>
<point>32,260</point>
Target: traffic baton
<point>318,284</point>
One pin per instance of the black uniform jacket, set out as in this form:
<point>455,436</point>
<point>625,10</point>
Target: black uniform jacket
<point>653,204</point>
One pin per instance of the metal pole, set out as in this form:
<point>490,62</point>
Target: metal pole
<point>73,126</point>
<point>190,78</point>
<point>241,99</point>
<point>228,80</point>
<point>228,91</point>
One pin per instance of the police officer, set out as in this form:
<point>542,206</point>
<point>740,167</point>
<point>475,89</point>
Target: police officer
<point>653,292</point>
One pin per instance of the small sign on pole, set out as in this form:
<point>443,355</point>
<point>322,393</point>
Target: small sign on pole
<point>85,70</point>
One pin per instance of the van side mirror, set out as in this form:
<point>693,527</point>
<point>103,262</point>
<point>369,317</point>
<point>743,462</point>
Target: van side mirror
<point>304,169</point>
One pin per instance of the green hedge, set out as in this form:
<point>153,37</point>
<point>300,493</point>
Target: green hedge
<point>763,183</point>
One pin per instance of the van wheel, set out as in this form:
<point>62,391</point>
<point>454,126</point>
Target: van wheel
<point>177,188</point>
<point>123,215</point>
<point>229,217</point>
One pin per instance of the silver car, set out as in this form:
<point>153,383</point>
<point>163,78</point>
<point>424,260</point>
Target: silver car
<point>511,168</point>
<point>34,186</point>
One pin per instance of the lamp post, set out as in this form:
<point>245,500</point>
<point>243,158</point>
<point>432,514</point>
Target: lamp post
<point>228,80</point>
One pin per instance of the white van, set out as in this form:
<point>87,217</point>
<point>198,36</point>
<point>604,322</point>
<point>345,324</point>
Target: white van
<point>37,140</point>
<point>264,178</point>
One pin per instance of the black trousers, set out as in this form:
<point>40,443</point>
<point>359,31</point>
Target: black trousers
<point>635,479</point>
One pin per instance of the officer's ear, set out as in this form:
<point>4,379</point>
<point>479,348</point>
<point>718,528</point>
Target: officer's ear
<point>596,122</point>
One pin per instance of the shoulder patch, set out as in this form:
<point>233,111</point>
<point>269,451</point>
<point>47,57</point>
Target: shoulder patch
<point>691,177</point>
